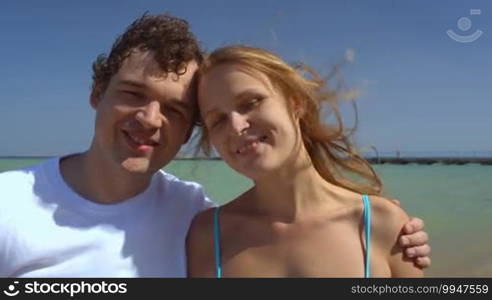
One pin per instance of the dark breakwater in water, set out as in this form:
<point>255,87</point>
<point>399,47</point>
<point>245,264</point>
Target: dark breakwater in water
<point>431,160</point>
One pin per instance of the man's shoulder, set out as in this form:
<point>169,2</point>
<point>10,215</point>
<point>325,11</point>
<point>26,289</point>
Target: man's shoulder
<point>14,178</point>
<point>27,174</point>
<point>23,182</point>
<point>177,182</point>
<point>17,189</point>
<point>179,189</point>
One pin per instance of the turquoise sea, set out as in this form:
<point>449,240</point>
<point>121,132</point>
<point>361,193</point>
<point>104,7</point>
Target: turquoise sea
<point>454,201</point>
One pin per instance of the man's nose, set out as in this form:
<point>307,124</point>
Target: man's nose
<point>150,115</point>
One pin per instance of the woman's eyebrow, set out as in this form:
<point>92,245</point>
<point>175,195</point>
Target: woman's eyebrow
<point>247,92</point>
<point>238,97</point>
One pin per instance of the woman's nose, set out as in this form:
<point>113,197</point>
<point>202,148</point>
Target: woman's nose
<point>238,123</point>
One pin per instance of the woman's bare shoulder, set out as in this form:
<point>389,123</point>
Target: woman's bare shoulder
<point>199,245</point>
<point>387,219</point>
<point>386,208</point>
<point>387,222</point>
<point>202,223</point>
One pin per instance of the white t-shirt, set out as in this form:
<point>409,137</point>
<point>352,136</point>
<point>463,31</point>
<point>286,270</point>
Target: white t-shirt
<point>47,230</point>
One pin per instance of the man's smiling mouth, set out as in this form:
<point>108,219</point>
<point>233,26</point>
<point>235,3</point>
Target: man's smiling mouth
<point>141,141</point>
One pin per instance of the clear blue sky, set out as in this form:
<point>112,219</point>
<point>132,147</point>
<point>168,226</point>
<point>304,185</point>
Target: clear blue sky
<point>421,90</point>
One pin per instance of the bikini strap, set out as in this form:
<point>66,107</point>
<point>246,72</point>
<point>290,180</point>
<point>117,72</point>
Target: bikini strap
<point>367,229</point>
<point>218,255</point>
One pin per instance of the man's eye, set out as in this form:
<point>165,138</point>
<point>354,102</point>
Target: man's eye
<point>174,111</point>
<point>216,122</point>
<point>133,95</point>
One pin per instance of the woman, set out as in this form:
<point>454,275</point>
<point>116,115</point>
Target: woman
<point>305,216</point>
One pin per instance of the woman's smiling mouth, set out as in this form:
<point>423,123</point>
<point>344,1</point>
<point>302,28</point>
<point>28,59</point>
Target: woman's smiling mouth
<point>250,145</point>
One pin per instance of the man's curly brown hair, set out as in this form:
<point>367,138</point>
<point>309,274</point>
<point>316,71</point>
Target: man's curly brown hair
<point>170,39</point>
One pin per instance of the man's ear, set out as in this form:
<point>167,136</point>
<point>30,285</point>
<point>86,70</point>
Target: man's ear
<point>96,95</point>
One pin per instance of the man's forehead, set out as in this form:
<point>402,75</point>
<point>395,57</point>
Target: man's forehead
<point>142,62</point>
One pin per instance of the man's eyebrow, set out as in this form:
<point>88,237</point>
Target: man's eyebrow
<point>210,112</point>
<point>182,104</point>
<point>171,101</point>
<point>133,83</point>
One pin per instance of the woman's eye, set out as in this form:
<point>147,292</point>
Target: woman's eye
<point>252,103</point>
<point>256,100</point>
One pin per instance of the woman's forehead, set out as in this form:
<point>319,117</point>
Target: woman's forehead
<point>236,77</point>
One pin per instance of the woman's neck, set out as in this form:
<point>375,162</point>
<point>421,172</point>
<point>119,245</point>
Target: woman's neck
<point>293,193</point>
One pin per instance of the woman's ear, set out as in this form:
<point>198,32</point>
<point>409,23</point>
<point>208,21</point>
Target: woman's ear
<point>297,109</point>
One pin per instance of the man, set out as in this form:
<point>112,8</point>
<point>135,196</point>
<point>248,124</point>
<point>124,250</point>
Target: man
<point>111,211</point>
